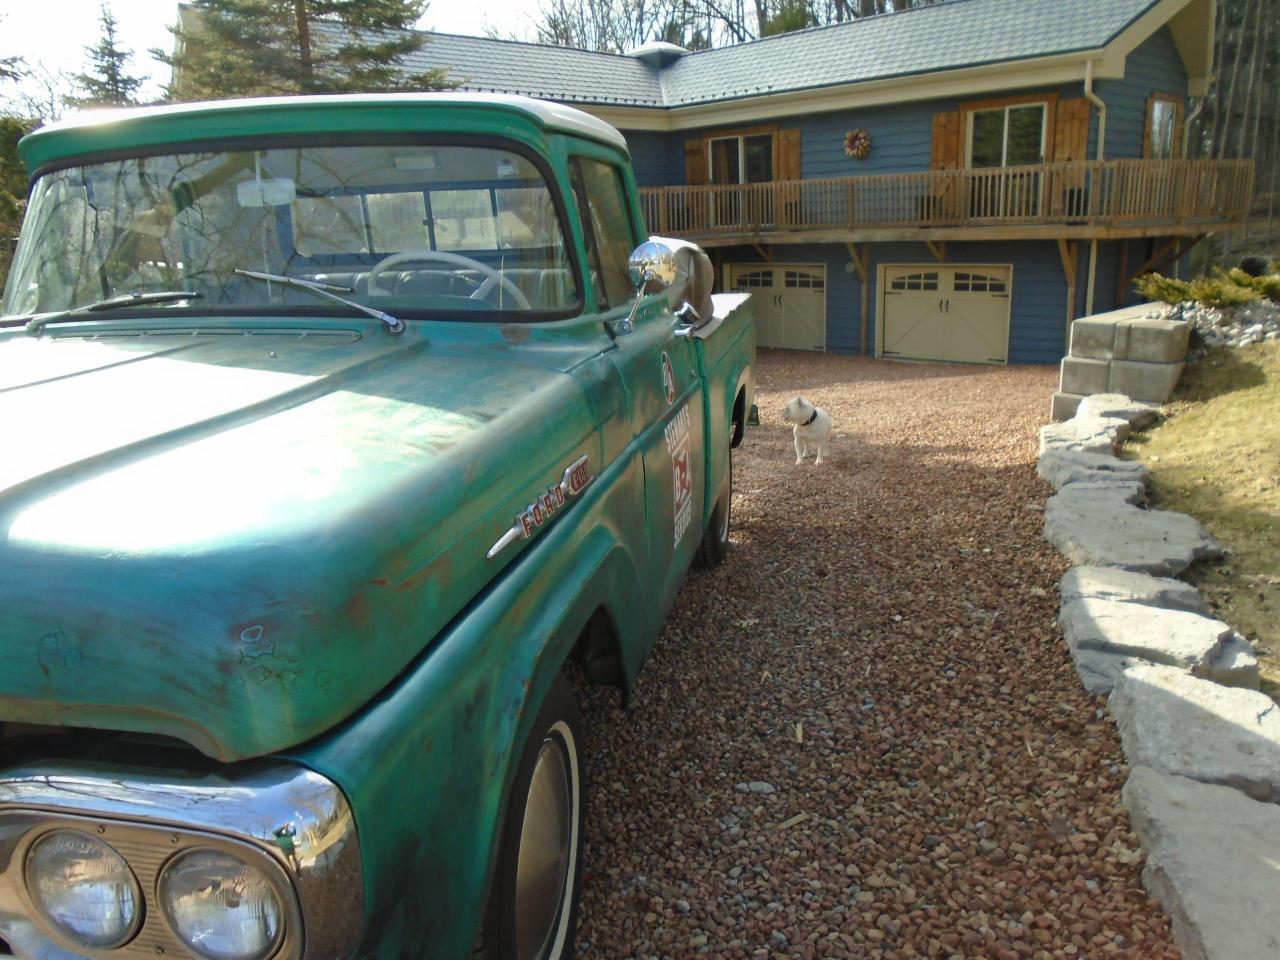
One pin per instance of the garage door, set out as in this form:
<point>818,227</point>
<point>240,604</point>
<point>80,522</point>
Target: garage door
<point>940,312</point>
<point>789,302</point>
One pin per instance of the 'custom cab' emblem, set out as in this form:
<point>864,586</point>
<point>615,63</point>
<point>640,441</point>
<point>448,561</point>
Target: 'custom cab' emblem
<point>576,478</point>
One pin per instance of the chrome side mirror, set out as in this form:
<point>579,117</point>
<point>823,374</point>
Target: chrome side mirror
<point>652,267</point>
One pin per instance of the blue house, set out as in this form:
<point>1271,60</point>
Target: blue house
<point>951,182</point>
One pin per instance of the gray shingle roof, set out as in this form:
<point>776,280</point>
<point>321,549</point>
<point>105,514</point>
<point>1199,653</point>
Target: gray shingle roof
<point>944,36</point>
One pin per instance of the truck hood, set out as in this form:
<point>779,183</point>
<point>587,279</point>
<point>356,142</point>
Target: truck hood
<point>238,539</point>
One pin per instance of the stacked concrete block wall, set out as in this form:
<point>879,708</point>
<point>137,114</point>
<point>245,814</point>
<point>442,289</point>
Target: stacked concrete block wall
<point>1127,352</point>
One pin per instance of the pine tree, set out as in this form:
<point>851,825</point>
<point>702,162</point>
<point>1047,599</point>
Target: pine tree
<point>241,48</point>
<point>108,82</point>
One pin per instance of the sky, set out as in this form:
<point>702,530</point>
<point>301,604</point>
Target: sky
<point>54,33</point>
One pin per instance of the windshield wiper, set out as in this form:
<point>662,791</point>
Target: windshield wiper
<point>323,290</point>
<point>138,299</point>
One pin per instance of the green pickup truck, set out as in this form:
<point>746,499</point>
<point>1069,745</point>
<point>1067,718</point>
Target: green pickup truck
<point>333,431</point>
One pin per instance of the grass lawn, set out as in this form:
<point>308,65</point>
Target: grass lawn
<point>1217,457</point>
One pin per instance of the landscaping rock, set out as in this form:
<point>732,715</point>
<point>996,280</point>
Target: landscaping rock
<point>1138,413</point>
<point>1063,406</point>
<point>1180,724</point>
<point>1111,583</point>
<point>1090,434</point>
<point>1132,492</point>
<point>1101,530</point>
<point>1213,862</point>
<point>1107,636</point>
<point>1061,467</point>
<point>1237,664</point>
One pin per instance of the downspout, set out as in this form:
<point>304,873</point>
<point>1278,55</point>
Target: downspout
<point>1098,102</point>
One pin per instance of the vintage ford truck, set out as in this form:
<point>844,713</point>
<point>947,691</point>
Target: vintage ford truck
<point>332,431</point>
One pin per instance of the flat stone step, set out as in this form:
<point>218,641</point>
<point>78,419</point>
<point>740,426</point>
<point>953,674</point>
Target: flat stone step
<point>1112,583</point>
<point>1213,863</point>
<point>1138,413</point>
<point>1102,530</point>
<point>1061,467</point>
<point>1090,434</point>
<point>1107,636</point>
<point>1132,492</point>
<point>1180,724</point>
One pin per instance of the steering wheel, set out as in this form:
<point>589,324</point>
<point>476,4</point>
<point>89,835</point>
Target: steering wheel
<point>492,277</point>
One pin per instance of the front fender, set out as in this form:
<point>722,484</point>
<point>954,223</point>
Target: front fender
<point>428,764</point>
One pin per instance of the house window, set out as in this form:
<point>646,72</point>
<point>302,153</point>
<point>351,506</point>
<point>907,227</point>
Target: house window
<point>742,159</point>
<point>1164,115</point>
<point>1007,136</point>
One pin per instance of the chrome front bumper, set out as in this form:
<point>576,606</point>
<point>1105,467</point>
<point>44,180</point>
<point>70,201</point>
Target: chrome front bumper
<point>295,823</point>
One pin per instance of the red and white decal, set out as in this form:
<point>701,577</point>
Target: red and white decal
<point>677,437</point>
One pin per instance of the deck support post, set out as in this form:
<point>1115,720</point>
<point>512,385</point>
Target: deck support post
<point>1070,261</point>
<point>1175,248</point>
<point>765,254</point>
<point>1093,277</point>
<point>938,248</point>
<point>860,263</point>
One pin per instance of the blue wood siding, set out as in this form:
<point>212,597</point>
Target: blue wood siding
<point>657,158</point>
<point>1154,67</point>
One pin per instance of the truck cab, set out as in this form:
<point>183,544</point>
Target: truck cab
<point>336,429</point>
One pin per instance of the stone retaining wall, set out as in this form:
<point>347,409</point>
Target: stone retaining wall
<point>1128,352</point>
<point>1202,743</point>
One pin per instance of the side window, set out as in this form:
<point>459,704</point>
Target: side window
<point>607,227</point>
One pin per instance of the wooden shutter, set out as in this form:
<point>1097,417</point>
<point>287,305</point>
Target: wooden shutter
<point>1071,131</point>
<point>695,162</point>
<point>788,166</point>
<point>945,152</point>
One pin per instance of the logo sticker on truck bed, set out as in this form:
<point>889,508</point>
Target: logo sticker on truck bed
<point>677,436</point>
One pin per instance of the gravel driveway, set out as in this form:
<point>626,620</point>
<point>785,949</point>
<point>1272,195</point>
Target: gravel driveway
<point>862,736</point>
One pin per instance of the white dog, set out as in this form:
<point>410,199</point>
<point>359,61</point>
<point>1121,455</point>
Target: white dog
<point>812,428</point>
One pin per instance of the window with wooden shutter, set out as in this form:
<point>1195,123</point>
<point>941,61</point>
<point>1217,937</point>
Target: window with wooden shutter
<point>695,162</point>
<point>1162,139</point>
<point>944,153</point>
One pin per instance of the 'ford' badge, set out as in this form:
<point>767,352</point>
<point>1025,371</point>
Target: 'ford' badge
<point>529,520</point>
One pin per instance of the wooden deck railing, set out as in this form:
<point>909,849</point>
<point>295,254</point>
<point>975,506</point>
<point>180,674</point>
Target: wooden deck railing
<point>1107,193</point>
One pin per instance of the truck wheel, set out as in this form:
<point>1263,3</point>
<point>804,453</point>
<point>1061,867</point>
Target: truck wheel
<point>715,539</point>
<point>533,909</point>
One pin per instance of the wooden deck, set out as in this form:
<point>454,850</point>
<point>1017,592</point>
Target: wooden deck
<point>1085,199</point>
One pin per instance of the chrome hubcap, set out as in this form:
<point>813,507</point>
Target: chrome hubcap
<point>546,855</point>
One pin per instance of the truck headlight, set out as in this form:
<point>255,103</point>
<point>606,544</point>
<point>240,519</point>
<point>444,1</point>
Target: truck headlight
<point>83,888</point>
<point>220,906</point>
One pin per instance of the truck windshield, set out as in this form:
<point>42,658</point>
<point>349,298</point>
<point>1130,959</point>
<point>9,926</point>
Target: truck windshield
<point>414,229</point>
